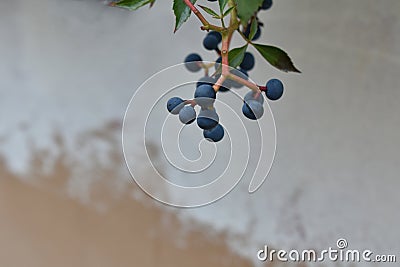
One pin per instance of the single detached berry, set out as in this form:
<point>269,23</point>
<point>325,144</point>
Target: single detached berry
<point>175,104</point>
<point>256,35</point>
<point>215,134</point>
<point>206,80</point>
<point>205,95</point>
<point>216,34</point>
<point>207,119</point>
<point>248,61</point>
<point>252,109</point>
<point>254,96</point>
<point>266,4</point>
<point>192,62</point>
<point>210,42</point>
<point>274,89</point>
<point>187,114</point>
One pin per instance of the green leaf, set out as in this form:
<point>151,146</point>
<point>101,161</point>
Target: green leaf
<point>253,28</point>
<point>210,11</point>
<point>229,10</point>
<point>246,9</point>
<point>182,12</point>
<point>276,57</point>
<point>132,4</point>
<point>222,5</point>
<point>236,56</point>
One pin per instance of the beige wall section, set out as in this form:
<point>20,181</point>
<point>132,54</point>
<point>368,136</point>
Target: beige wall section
<point>40,228</point>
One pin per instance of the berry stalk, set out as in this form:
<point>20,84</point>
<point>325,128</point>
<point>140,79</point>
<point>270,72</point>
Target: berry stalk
<point>227,34</point>
<point>246,83</point>
<point>226,39</point>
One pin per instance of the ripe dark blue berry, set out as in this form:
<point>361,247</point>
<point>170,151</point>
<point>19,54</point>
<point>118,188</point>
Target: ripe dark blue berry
<point>266,4</point>
<point>206,80</point>
<point>252,109</point>
<point>175,104</point>
<point>254,96</point>
<point>212,0</point>
<point>215,134</point>
<point>218,63</point>
<point>256,36</point>
<point>210,42</point>
<point>192,62</point>
<point>187,114</point>
<point>207,119</point>
<point>205,95</point>
<point>243,74</point>
<point>216,34</point>
<point>274,89</point>
<point>248,61</point>
<point>225,87</point>
<point>233,84</point>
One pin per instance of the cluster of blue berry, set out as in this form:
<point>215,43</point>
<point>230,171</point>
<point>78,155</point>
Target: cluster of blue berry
<point>206,92</point>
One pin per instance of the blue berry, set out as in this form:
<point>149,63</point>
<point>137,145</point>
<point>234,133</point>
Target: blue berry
<point>217,35</point>
<point>205,95</point>
<point>187,114</point>
<point>274,89</point>
<point>218,63</point>
<point>256,36</point>
<point>191,62</point>
<point>248,61</point>
<point>266,4</point>
<point>252,109</point>
<point>242,74</point>
<point>210,42</point>
<point>252,96</point>
<point>225,86</point>
<point>175,104</point>
<point>215,134</point>
<point>206,80</point>
<point>212,0</point>
<point>207,119</point>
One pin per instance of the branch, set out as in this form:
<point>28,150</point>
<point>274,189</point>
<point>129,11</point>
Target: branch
<point>206,25</point>
<point>245,82</point>
<point>226,40</point>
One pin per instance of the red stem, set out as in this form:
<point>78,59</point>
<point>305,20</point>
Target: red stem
<point>246,83</point>
<point>206,25</point>
<point>196,12</point>
<point>262,88</point>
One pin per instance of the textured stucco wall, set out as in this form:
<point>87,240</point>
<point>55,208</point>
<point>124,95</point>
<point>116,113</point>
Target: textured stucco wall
<point>71,65</point>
